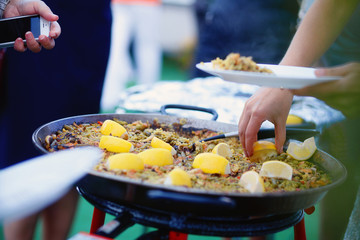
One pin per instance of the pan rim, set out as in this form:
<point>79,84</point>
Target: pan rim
<point>181,189</point>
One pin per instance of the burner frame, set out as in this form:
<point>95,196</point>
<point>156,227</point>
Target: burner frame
<point>221,226</point>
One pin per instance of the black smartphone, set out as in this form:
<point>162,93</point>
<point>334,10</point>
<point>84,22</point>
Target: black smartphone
<point>12,28</point>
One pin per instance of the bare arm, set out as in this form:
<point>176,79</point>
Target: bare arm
<point>319,29</point>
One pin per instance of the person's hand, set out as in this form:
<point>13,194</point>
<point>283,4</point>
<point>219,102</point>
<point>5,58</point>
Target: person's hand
<point>23,7</point>
<point>270,104</point>
<point>343,94</point>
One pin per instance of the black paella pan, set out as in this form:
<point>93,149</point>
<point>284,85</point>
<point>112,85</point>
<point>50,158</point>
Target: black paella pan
<point>131,192</point>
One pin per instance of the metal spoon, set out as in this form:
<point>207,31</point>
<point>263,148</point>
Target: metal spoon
<point>293,133</point>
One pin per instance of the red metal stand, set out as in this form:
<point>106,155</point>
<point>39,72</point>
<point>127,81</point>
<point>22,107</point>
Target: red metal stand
<point>299,231</point>
<point>177,236</point>
<point>98,220</point>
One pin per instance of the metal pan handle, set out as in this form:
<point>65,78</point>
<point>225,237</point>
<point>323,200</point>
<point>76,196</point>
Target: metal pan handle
<point>198,201</point>
<point>188,107</point>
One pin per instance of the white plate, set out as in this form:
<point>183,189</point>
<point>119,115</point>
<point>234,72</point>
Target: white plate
<point>284,76</point>
<point>32,185</point>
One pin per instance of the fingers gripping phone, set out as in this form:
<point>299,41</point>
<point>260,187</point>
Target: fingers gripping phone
<point>12,28</point>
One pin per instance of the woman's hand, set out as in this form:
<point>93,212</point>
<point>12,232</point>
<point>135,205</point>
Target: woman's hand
<point>270,104</point>
<point>22,7</point>
<point>342,94</point>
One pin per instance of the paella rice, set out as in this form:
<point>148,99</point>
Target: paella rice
<point>306,174</point>
<point>234,61</point>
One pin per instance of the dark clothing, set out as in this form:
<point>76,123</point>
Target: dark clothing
<point>258,28</point>
<point>62,82</point>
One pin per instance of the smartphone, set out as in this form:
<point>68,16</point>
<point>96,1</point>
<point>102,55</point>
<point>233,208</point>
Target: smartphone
<point>12,28</point>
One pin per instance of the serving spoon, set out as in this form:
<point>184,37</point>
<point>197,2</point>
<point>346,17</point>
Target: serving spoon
<point>294,133</point>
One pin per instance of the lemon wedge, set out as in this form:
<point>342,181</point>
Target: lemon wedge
<point>262,150</point>
<point>157,157</point>
<point>212,163</point>
<point>262,145</point>
<point>294,120</point>
<point>115,144</point>
<point>276,169</point>
<point>158,143</point>
<point>110,127</point>
<point>222,149</point>
<point>178,177</point>
<point>302,151</point>
<point>252,182</point>
<point>125,161</point>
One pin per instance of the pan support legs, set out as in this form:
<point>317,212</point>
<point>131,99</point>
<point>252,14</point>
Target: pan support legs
<point>299,228</point>
<point>98,221</point>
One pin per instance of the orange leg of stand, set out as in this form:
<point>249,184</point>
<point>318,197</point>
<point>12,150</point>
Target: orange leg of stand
<point>299,230</point>
<point>97,221</point>
<point>177,236</point>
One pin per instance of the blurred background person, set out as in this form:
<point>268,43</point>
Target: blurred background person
<point>261,29</point>
<point>18,8</point>
<point>341,139</point>
<point>329,35</point>
<point>49,85</point>
<point>135,23</point>
<point>337,43</point>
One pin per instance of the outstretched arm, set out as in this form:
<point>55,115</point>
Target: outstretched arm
<point>320,27</point>
<point>318,30</point>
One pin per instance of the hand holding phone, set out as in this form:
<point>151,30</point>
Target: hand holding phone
<point>17,27</point>
<point>17,8</point>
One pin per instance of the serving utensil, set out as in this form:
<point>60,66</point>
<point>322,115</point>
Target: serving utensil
<point>295,133</point>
